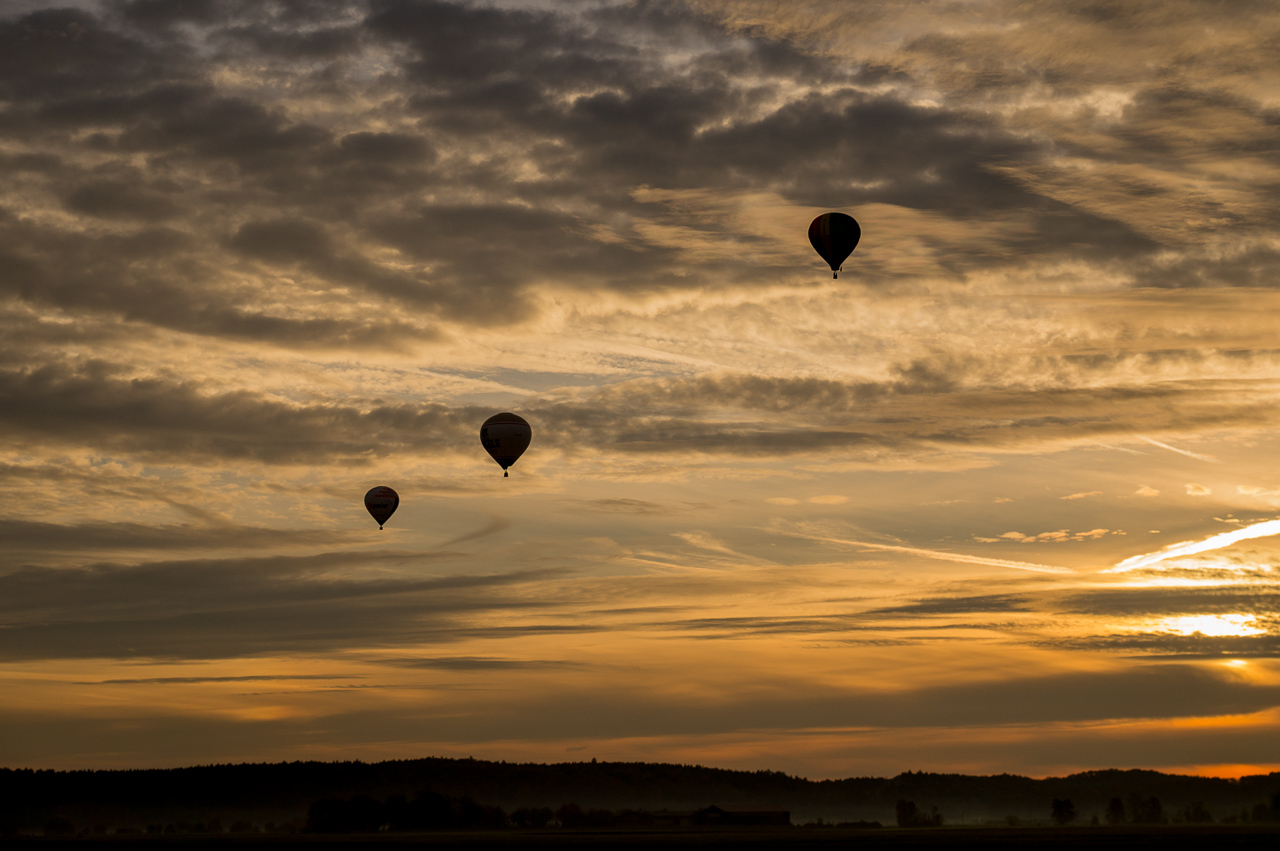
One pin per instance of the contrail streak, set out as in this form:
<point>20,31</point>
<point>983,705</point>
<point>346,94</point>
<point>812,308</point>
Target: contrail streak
<point>1120,448</point>
<point>1195,455</point>
<point>1187,548</point>
<point>943,555</point>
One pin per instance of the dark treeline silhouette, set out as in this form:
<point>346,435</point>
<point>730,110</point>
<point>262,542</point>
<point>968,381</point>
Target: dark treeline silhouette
<point>908,814</point>
<point>429,810</point>
<point>466,793</point>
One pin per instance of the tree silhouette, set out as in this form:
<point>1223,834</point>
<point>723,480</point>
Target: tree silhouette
<point>1196,813</point>
<point>910,816</point>
<point>571,815</point>
<point>1115,812</point>
<point>1146,810</point>
<point>1063,811</point>
<point>429,811</point>
<point>532,817</point>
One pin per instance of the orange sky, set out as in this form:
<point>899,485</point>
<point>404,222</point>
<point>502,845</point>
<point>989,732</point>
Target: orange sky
<point>963,509</point>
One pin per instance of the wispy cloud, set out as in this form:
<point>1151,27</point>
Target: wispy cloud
<point>943,555</point>
<point>1185,452</point>
<point>1215,542</point>
<point>194,680</point>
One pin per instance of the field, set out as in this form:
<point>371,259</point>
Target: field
<point>1095,839</point>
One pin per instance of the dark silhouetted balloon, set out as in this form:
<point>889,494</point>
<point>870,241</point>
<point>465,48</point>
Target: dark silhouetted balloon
<point>505,437</point>
<point>834,236</point>
<point>382,503</point>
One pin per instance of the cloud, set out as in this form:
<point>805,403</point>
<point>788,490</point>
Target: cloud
<point>287,227</point>
<point>111,408</point>
<point>18,536</point>
<point>1158,602</point>
<point>1196,455</point>
<point>1186,548</point>
<point>224,608</point>
<point>1261,493</point>
<point>948,556</point>
<point>254,254</point>
<point>476,663</point>
<point>192,680</point>
<point>510,118</point>
<point>102,406</point>
<point>979,604</point>
<point>1197,490</point>
<point>1136,692</point>
<point>495,525</point>
<point>1058,537</point>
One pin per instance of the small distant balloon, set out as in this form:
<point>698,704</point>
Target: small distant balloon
<point>382,502</point>
<point>505,437</point>
<point>834,236</point>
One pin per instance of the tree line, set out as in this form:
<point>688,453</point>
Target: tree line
<point>284,794</point>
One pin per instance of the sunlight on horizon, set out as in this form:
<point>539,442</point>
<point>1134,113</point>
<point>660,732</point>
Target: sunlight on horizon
<point>1212,625</point>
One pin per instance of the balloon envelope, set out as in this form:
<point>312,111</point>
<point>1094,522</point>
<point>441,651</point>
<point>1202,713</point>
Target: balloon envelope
<point>505,437</point>
<point>381,502</point>
<point>834,236</point>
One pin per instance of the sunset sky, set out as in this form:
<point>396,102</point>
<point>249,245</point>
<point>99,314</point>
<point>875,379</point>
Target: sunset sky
<point>1004,497</point>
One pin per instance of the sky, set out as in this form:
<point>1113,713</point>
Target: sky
<point>1003,497</point>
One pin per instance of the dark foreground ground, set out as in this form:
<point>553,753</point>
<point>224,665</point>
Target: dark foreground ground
<point>1165,838</point>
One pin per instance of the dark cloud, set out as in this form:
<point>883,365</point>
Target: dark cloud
<point>38,536</point>
<point>101,405</point>
<point>872,621</point>
<point>191,680</point>
<point>1138,602</point>
<point>285,241</point>
<point>152,276</point>
<point>979,604</point>
<point>97,406</point>
<point>477,663</point>
<point>495,525</point>
<point>1177,647</point>
<point>1138,692</point>
<point>627,506</point>
<point>170,12</point>
<point>120,199</point>
<point>513,129</point>
<point>223,608</point>
<point>61,55</point>
<point>375,148</point>
<point>1252,266</point>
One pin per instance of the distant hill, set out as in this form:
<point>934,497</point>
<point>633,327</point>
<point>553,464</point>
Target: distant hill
<point>282,794</point>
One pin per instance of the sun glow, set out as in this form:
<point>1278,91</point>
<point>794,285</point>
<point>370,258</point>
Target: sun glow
<point>1212,625</point>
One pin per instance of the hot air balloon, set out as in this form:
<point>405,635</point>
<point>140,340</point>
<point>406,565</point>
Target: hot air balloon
<point>834,236</point>
<point>382,502</point>
<point>505,437</point>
